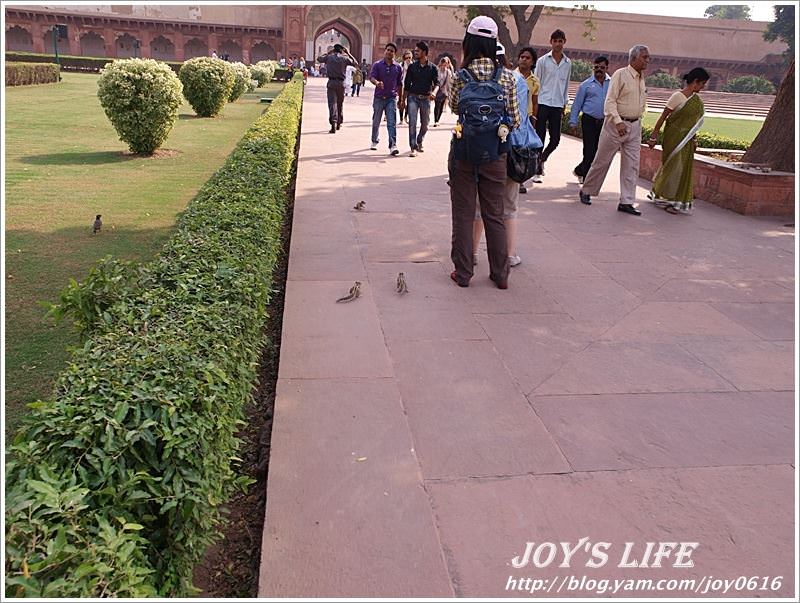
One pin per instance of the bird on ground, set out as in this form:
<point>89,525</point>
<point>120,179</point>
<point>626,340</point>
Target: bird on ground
<point>355,291</point>
<point>360,205</point>
<point>98,224</point>
<point>401,283</point>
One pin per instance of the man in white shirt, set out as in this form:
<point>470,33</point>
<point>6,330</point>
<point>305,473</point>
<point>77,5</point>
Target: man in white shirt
<point>625,104</point>
<point>553,71</point>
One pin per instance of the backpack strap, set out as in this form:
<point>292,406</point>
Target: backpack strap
<point>466,75</point>
<point>497,73</point>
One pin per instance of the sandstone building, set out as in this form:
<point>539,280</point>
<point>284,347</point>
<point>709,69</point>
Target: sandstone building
<point>727,48</point>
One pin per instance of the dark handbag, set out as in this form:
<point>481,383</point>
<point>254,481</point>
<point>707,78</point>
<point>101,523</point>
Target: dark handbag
<point>522,163</point>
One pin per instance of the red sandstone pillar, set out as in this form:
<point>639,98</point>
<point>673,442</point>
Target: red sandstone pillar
<point>144,43</point>
<point>37,31</point>
<point>110,39</point>
<point>178,40</point>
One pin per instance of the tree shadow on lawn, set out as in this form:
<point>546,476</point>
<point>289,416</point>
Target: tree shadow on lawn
<point>93,158</point>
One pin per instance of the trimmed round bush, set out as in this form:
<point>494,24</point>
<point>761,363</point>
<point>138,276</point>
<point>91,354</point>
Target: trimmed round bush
<point>663,80</point>
<point>263,71</point>
<point>141,99</point>
<point>207,84</point>
<point>749,84</point>
<point>242,81</point>
<point>581,70</point>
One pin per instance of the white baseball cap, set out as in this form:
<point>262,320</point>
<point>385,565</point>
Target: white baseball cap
<point>500,49</point>
<point>483,26</point>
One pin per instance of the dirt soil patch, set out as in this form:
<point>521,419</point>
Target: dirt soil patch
<point>230,567</point>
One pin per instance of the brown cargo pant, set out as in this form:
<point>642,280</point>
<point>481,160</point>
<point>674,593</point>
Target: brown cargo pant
<point>488,182</point>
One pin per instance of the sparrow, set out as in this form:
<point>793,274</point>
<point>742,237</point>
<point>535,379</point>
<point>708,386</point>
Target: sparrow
<point>401,283</point>
<point>355,291</point>
<point>98,224</point>
<point>360,205</point>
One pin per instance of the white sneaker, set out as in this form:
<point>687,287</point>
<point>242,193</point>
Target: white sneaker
<point>537,179</point>
<point>373,146</point>
<point>514,260</point>
<point>393,151</point>
<point>413,153</point>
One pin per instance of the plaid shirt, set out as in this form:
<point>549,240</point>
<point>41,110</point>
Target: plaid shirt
<point>483,69</point>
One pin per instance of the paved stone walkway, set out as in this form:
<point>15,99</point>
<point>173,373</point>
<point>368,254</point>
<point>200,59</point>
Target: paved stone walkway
<point>633,384</point>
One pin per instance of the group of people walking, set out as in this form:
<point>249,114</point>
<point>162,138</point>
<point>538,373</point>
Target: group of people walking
<point>504,119</point>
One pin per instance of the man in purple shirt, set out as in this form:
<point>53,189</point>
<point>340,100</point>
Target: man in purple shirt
<point>387,77</point>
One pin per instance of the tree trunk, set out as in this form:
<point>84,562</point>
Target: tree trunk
<point>524,26</point>
<point>774,144</point>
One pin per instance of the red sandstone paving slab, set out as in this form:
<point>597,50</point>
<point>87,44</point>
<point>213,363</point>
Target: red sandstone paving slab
<point>634,367</point>
<point>742,518</point>
<point>466,416</point>
<point>324,339</point>
<point>432,309</point>
<point>635,431</point>
<point>524,294</point>
<point>641,279</point>
<point>771,321</point>
<point>347,515</point>
<point>534,346</point>
<point>675,321</point>
<point>691,289</point>
<point>599,302</point>
<point>341,262</point>
<point>749,365</point>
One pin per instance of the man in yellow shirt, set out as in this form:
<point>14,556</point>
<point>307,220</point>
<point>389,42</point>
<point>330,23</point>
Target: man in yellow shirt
<point>622,131</point>
<point>525,62</point>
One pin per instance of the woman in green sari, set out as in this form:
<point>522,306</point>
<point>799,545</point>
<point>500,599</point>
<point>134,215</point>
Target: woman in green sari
<point>683,114</point>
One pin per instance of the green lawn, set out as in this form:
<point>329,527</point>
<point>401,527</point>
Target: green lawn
<point>64,164</point>
<point>740,129</point>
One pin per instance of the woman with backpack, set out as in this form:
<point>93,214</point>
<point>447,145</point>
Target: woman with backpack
<point>484,96</point>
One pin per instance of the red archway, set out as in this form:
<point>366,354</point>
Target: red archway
<point>350,32</point>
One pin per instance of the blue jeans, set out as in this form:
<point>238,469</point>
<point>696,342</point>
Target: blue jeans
<point>423,107</point>
<point>389,107</point>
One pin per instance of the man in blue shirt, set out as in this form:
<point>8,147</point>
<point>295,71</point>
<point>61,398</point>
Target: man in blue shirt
<point>552,70</point>
<point>589,101</point>
<point>387,77</point>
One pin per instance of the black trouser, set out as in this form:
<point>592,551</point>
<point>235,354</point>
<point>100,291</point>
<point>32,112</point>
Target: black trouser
<point>355,90</point>
<point>335,102</point>
<point>549,120</point>
<point>591,128</point>
<point>438,107</point>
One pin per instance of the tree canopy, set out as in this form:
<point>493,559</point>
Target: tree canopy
<point>782,27</point>
<point>728,11</point>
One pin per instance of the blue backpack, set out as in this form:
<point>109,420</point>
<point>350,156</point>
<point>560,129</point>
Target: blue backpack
<point>481,110</point>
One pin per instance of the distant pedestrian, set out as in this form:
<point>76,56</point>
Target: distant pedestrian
<point>484,96</point>
<point>525,63</point>
<point>420,82</point>
<point>336,61</point>
<point>588,103</point>
<point>445,79</point>
<point>348,79</point>
<point>683,116</point>
<point>387,77</point>
<point>364,71</point>
<point>213,54</point>
<point>405,64</point>
<point>553,71</point>
<point>358,79</point>
<point>622,131</point>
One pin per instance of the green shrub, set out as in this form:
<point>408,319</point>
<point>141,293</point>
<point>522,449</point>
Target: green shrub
<point>207,84</point>
<point>263,71</point>
<point>663,80</point>
<point>24,74</point>
<point>141,99</point>
<point>140,436</point>
<point>749,84</point>
<point>581,70</point>
<point>241,82</point>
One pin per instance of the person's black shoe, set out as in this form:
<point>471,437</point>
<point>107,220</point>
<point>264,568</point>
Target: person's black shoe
<point>338,126</point>
<point>628,209</point>
<point>585,199</point>
<point>332,130</point>
<point>522,189</point>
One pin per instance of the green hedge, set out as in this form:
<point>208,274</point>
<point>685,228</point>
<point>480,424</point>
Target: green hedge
<point>705,140</point>
<point>24,74</point>
<point>114,485</point>
<point>71,62</point>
